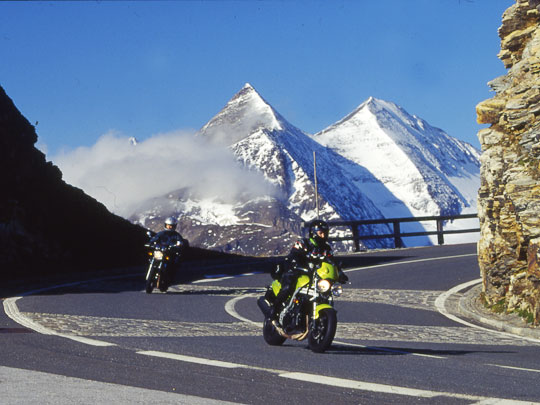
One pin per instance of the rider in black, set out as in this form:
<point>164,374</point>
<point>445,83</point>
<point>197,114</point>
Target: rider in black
<point>170,237</point>
<point>304,251</point>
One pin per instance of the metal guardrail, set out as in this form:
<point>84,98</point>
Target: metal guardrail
<point>397,235</point>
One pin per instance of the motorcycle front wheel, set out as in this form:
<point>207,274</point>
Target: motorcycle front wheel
<point>162,278</point>
<point>150,279</point>
<point>162,285</point>
<point>271,335</point>
<point>322,330</point>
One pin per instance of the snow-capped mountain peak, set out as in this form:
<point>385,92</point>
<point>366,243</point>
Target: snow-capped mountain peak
<point>415,161</point>
<point>374,109</point>
<point>245,113</point>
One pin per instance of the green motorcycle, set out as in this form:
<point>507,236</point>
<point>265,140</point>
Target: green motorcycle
<point>309,312</point>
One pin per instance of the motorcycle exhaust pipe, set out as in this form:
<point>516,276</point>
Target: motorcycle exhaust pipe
<point>264,306</point>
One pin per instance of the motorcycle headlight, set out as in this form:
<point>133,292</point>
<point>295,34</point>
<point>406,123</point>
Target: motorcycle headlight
<point>337,290</point>
<point>324,285</point>
<point>158,254</point>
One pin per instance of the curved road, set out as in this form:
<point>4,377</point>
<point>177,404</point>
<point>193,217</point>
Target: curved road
<point>106,340</point>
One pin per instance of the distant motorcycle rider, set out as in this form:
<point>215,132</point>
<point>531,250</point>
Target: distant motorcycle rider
<point>170,237</point>
<point>304,251</point>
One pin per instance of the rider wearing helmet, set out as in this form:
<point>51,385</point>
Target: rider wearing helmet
<point>170,237</point>
<point>171,223</point>
<point>302,253</point>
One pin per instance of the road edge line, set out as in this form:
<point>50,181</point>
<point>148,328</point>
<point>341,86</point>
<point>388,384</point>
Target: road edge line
<point>440,304</point>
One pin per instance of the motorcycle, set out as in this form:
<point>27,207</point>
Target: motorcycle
<point>309,312</point>
<point>162,257</point>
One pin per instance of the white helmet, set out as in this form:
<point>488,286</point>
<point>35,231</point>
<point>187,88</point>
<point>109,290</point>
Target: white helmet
<point>171,222</point>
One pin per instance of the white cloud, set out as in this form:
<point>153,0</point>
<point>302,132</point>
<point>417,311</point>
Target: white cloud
<point>122,175</point>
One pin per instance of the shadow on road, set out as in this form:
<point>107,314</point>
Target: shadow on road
<point>401,351</point>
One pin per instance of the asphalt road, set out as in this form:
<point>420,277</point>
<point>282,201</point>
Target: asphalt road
<point>106,340</point>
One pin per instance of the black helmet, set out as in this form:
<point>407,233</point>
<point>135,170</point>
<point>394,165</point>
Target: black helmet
<point>171,222</point>
<point>317,226</point>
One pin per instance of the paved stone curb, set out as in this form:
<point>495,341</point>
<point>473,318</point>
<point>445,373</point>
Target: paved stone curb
<point>471,307</point>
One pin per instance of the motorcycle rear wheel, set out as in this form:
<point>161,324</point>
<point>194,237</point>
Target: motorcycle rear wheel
<point>271,335</point>
<point>322,331</point>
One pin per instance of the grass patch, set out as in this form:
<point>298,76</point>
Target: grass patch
<point>499,307</point>
<point>526,315</point>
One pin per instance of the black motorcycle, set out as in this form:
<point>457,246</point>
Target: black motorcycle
<point>162,258</point>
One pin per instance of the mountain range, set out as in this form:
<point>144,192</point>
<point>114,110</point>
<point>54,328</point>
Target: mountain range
<point>377,162</point>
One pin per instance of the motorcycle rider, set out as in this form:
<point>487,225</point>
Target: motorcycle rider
<point>170,237</point>
<point>304,251</point>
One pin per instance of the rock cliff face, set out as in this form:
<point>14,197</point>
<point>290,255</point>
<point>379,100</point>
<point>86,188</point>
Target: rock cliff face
<point>509,196</point>
<point>46,225</point>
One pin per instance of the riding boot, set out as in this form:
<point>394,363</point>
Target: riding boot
<point>278,304</point>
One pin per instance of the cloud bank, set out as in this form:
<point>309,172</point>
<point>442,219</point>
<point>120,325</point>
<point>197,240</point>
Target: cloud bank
<point>123,174</point>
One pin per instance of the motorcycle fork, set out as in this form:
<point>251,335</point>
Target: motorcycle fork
<point>159,274</point>
<point>150,269</point>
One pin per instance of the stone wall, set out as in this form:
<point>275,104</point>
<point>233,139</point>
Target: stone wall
<point>509,196</point>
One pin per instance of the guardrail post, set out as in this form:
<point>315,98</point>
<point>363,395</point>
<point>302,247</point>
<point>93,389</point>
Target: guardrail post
<point>440,235</point>
<point>356,239</point>
<point>398,243</point>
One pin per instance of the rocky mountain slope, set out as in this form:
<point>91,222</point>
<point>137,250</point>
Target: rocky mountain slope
<point>46,225</point>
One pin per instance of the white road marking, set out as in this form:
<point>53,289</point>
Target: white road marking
<point>333,381</point>
<point>516,368</point>
<point>220,277</point>
<point>11,309</point>
<point>441,307</point>
<point>230,309</point>
<point>212,279</point>
<point>374,387</point>
<point>190,359</point>
<point>409,262</point>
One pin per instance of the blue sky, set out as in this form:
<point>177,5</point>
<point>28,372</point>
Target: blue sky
<point>81,69</point>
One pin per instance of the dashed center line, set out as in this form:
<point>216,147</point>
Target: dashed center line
<point>333,381</point>
<point>516,368</point>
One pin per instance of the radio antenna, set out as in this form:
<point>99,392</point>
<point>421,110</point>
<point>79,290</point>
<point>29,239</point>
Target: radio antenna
<point>316,187</point>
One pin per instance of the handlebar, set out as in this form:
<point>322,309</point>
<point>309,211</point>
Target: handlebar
<point>303,269</point>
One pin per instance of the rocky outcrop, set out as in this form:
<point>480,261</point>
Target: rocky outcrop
<point>509,196</point>
<point>46,225</point>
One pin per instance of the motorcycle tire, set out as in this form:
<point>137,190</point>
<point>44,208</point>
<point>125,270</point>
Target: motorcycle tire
<point>322,331</point>
<point>271,335</point>
<point>162,285</point>
<point>150,281</point>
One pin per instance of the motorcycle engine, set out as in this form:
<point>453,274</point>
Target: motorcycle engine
<point>294,319</point>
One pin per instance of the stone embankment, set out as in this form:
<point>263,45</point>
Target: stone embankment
<point>509,196</point>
